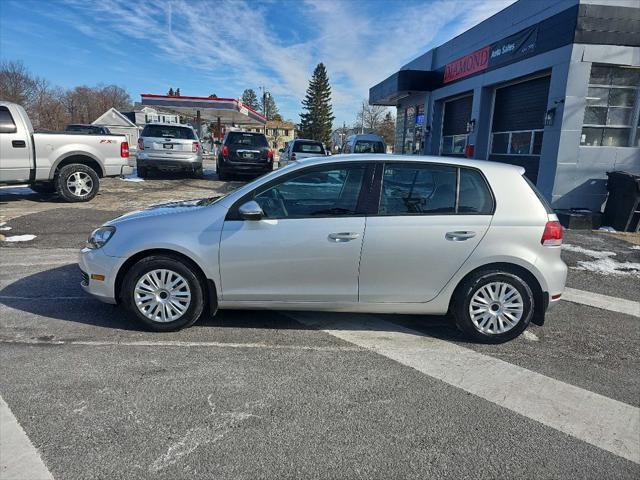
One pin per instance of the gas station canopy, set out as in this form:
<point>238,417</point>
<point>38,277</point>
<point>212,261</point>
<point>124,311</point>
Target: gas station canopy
<point>226,111</point>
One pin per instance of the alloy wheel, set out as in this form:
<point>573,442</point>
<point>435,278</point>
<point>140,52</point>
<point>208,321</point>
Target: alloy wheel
<point>79,183</point>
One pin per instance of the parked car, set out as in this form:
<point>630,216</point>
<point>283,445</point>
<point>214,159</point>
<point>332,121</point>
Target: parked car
<point>442,235</point>
<point>244,153</point>
<point>69,164</point>
<point>301,148</point>
<point>87,129</point>
<point>169,147</point>
<point>364,143</point>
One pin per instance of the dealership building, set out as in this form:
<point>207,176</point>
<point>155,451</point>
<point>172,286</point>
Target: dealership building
<point>550,85</point>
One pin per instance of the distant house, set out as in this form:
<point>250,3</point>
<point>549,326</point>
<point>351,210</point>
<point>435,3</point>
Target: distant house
<point>118,123</point>
<point>279,133</point>
<point>150,115</point>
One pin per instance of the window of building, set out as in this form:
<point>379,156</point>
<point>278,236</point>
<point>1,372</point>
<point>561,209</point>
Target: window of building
<point>612,111</point>
<point>286,132</point>
<point>454,144</point>
<point>525,142</point>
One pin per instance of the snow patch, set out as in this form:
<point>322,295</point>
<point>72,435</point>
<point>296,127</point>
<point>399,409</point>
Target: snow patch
<point>603,263</point>
<point>635,247</point>
<point>530,336</point>
<point>16,191</point>
<point>4,229</point>
<point>20,238</point>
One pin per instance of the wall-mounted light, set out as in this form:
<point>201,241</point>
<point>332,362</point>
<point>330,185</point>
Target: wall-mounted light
<point>550,116</point>
<point>471,125</point>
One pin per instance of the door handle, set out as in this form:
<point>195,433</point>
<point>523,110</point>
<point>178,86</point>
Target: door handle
<point>459,236</point>
<point>343,236</point>
<point>19,144</point>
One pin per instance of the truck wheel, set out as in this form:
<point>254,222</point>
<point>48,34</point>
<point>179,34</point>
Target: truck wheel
<point>77,183</point>
<point>198,173</point>
<point>143,172</point>
<point>44,187</point>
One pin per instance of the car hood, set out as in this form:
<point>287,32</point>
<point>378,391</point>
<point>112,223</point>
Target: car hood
<point>170,208</point>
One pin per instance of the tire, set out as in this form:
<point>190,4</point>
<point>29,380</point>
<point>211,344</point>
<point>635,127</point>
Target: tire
<point>198,173</point>
<point>143,172</point>
<point>155,313</point>
<point>222,174</point>
<point>81,192</point>
<point>44,187</point>
<point>493,323</point>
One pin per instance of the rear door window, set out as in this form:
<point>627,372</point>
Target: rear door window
<point>414,189</point>
<point>168,131</point>
<point>368,146</point>
<point>242,139</point>
<point>308,147</point>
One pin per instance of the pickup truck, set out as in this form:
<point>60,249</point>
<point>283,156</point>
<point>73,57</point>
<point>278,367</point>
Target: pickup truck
<point>69,164</point>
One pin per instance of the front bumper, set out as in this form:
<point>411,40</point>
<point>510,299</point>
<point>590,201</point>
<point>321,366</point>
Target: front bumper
<point>96,263</point>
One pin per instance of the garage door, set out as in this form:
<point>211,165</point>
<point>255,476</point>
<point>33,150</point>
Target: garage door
<point>518,124</point>
<point>457,114</point>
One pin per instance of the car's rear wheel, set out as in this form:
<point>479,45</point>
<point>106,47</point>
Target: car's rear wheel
<point>493,306</point>
<point>143,172</point>
<point>222,174</point>
<point>198,172</point>
<point>77,183</point>
<point>163,293</point>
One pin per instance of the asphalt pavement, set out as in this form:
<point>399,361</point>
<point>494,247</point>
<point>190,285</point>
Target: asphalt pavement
<point>251,394</point>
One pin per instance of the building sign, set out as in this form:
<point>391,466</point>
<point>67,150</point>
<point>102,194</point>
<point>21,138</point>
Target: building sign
<point>500,53</point>
<point>467,65</point>
<point>514,47</point>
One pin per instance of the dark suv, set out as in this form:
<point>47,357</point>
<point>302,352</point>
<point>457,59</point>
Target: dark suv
<point>244,153</point>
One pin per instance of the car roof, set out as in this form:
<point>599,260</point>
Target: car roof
<point>378,157</point>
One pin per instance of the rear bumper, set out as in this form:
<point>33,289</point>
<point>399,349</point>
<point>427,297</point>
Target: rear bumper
<point>190,163</point>
<point>246,167</point>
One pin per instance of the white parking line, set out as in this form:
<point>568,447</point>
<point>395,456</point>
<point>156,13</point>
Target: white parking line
<point>177,343</point>
<point>18,457</point>
<point>603,422</point>
<point>604,302</point>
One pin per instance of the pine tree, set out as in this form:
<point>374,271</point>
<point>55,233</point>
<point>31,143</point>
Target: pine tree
<point>250,99</point>
<point>177,92</point>
<point>170,92</point>
<point>269,108</point>
<point>317,121</point>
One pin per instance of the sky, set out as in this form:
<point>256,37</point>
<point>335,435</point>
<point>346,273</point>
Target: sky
<point>222,47</point>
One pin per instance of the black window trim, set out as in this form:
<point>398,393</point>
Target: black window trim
<point>363,206</point>
<point>458,169</point>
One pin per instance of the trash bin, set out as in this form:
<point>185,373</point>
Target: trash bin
<point>622,211</point>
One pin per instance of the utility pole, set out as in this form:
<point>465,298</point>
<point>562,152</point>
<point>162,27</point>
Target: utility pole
<point>265,106</point>
<point>362,124</point>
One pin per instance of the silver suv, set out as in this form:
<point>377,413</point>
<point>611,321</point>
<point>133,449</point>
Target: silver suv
<point>355,233</point>
<point>169,147</point>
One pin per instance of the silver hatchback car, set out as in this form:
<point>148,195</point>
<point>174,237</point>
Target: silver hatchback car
<point>349,233</point>
<point>169,147</point>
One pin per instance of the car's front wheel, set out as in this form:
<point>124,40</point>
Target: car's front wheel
<point>163,293</point>
<point>493,306</point>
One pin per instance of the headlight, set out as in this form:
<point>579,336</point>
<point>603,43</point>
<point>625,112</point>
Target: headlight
<point>100,236</point>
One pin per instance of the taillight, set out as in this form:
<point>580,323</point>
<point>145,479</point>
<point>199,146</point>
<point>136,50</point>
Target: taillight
<point>225,151</point>
<point>270,154</point>
<point>140,144</point>
<point>552,235</point>
<point>195,146</point>
<point>124,149</point>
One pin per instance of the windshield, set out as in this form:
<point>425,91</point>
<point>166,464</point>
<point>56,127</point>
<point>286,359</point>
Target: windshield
<point>246,139</point>
<point>308,147</point>
<point>368,146</point>
<point>168,131</point>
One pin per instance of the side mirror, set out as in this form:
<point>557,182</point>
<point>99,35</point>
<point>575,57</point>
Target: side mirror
<point>251,211</point>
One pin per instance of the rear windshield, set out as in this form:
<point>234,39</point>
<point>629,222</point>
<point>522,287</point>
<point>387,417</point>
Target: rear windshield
<point>368,146</point>
<point>82,128</point>
<point>308,147</point>
<point>246,139</point>
<point>539,195</point>
<point>168,131</point>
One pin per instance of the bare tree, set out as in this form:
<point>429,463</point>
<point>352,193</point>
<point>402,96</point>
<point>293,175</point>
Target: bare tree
<point>16,83</point>
<point>371,116</point>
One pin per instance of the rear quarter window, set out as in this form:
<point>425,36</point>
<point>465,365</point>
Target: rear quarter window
<point>474,196</point>
<point>168,131</point>
<point>543,200</point>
